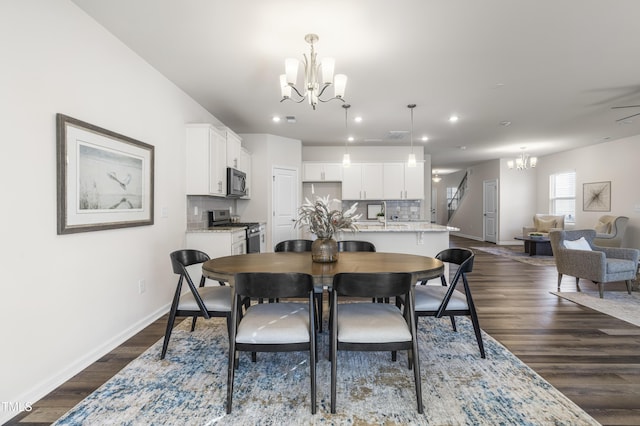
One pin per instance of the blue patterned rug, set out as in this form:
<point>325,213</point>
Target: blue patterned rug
<point>459,388</point>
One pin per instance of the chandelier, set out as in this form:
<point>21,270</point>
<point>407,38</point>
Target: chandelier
<point>314,86</point>
<point>523,162</point>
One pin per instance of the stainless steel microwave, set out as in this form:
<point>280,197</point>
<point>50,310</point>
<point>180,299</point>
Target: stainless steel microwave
<point>236,183</point>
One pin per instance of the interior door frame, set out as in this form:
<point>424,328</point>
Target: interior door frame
<point>496,216</point>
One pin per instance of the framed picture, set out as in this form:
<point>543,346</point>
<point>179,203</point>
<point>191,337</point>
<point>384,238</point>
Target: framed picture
<point>596,197</point>
<point>373,210</point>
<point>105,180</point>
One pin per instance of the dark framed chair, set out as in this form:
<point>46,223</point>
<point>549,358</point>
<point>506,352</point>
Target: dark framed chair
<point>297,246</point>
<point>355,245</point>
<point>273,327</point>
<point>201,301</point>
<point>369,326</point>
<point>300,246</point>
<point>445,300</point>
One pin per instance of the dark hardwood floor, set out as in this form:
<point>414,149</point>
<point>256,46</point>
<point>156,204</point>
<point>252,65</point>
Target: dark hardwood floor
<point>592,358</point>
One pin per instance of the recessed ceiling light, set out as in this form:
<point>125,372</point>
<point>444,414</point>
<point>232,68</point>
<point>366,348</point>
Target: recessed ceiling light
<point>358,119</point>
<point>275,119</point>
<point>425,138</point>
<point>351,139</point>
<point>454,118</point>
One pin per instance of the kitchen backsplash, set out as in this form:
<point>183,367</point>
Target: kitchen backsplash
<point>203,204</point>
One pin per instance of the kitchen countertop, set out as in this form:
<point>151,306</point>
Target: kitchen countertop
<point>397,226</point>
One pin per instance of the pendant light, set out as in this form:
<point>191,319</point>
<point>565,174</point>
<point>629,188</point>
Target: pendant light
<point>346,158</point>
<point>412,157</point>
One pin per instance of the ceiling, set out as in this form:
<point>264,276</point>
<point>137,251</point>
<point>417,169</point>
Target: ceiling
<point>553,69</point>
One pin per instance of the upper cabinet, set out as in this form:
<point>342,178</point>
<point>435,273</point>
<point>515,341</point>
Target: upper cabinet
<point>363,181</point>
<point>245,166</point>
<point>402,182</point>
<point>234,148</point>
<point>321,172</point>
<point>206,160</point>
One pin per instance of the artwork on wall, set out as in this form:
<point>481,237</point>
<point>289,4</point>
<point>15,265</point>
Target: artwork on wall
<point>105,180</point>
<point>596,197</point>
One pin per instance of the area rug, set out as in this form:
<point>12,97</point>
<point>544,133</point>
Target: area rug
<point>618,304</point>
<point>459,388</point>
<point>517,253</point>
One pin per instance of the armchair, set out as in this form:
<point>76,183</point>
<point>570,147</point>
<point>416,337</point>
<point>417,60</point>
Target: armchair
<point>544,223</point>
<point>585,260</point>
<point>610,231</point>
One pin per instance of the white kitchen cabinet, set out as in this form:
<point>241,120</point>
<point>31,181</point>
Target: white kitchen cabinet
<point>206,156</point>
<point>234,148</point>
<point>245,166</point>
<point>218,243</point>
<point>321,172</point>
<point>364,181</point>
<point>402,182</point>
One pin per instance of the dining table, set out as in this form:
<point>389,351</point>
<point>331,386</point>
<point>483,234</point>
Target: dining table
<point>422,268</point>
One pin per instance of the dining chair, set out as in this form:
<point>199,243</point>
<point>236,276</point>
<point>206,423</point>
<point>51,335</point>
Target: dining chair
<point>273,327</point>
<point>444,300</point>
<point>300,246</point>
<point>367,326</point>
<point>202,301</point>
<point>356,245</point>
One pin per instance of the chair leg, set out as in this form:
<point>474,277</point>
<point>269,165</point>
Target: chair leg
<point>230,373</point>
<point>478,333</point>
<point>601,290</point>
<point>333,356</point>
<point>167,333</point>
<point>453,322</point>
<point>193,323</point>
<point>628,283</point>
<point>559,280</point>
<point>318,299</point>
<point>578,284</point>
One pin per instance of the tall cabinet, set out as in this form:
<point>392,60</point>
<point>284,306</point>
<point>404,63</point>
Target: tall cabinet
<point>206,154</point>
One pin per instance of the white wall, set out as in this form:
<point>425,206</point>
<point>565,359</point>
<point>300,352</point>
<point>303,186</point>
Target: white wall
<point>615,161</point>
<point>517,189</point>
<point>468,218</point>
<point>268,151</point>
<point>68,299</point>
<point>524,193</point>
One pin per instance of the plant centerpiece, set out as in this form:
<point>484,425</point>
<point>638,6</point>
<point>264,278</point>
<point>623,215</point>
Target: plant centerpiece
<point>318,217</point>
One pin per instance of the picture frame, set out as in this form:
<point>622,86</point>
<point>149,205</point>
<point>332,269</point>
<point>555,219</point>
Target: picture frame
<point>373,210</point>
<point>596,196</point>
<point>105,180</point>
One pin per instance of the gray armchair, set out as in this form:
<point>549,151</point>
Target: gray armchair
<point>598,264</point>
<point>610,231</point>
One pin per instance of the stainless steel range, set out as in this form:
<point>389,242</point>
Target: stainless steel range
<point>222,218</point>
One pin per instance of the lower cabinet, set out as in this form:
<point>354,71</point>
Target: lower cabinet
<point>218,243</point>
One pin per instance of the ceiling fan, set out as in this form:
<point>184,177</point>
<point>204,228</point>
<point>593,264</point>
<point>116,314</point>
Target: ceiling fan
<point>626,106</point>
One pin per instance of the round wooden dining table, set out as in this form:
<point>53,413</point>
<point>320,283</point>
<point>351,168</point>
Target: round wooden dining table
<point>421,267</point>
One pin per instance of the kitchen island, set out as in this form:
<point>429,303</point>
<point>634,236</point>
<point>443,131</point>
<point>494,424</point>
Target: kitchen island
<point>422,238</point>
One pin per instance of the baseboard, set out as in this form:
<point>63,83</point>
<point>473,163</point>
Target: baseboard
<point>49,384</point>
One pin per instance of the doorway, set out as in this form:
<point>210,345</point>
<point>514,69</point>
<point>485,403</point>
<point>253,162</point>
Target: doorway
<point>285,204</point>
<point>490,210</point>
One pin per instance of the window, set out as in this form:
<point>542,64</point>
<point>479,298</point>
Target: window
<point>562,195</point>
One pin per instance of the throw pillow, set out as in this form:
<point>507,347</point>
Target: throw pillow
<point>602,228</point>
<point>544,225</point>
<point>579,244</point>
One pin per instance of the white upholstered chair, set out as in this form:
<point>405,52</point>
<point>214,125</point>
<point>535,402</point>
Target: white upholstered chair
<point>610,230</point>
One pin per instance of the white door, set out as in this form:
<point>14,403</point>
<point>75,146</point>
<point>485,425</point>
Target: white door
<point>285,205</point>
<point>490,207</point>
